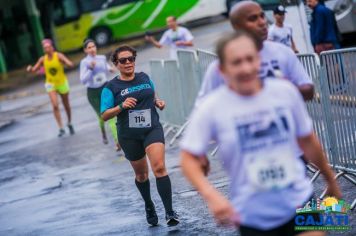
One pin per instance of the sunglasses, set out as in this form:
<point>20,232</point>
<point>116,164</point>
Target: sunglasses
<point>125,59</point>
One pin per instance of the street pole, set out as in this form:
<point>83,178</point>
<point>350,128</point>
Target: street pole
<point>3,68</point>
<point>35,23</point>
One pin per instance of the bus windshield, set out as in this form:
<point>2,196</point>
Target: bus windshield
<point>65,11</point>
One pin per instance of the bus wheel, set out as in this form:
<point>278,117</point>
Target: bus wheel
<point>102,36</point>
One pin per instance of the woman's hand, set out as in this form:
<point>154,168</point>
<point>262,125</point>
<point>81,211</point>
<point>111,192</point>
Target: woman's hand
<point>222,209</point>
<point>129,103</point>
<point>29,68</point>
<point>160,104</point>
<point>111,69</point>
<point>333,189</point>
<point>92,64</point>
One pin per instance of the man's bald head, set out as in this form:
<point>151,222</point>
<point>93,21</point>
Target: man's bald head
<point>249,16</point>
<point>239,10</point>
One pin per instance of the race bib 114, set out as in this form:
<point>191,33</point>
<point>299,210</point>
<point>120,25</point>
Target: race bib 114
<point>140,118</point>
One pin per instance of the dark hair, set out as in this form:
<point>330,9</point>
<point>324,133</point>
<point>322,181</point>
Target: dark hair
<point>220,47</point>
<point>174,18</point>
<point>87,41</point>
<point>123,48</point>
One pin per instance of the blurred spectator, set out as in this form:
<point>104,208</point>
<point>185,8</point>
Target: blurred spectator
<point>323,29</point>
<point>176,37</point>
<point>280,32</point>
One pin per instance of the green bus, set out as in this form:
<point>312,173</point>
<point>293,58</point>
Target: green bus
<point>106,20</point>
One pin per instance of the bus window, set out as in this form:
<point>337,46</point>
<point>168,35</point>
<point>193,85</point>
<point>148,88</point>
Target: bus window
<point>120,2</point>
<point>65,11</point>
<point>93,5</point>
<point>97,5</point>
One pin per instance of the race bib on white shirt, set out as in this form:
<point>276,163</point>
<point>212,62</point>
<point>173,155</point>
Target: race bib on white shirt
<point>99,78</point>
<point>272,169</point>
<point>140,118</point>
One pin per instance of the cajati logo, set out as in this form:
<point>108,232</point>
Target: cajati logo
<point>323,214</point>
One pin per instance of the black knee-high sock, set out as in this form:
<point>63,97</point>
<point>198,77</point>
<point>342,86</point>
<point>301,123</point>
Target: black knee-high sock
<point>165,191</point>
<point>144,189</point>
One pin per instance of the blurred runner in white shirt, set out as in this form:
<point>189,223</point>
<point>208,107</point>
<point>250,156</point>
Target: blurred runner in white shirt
<point>177,37</point>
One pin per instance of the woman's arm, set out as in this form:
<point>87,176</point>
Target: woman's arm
<point>110,67</point>
<point>107,108</point>
<point>218,204</point>
<point>37,66</point>
<point>111,113</point>
<point>85,72</point>
<point>311,147</point>
<point>65,60</point>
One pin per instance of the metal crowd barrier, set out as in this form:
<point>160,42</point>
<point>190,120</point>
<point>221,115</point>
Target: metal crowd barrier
<point>333,108</point>
<point>157,75</point>
<point>189,75</point>
<point>204,60</point>
<point>340,87</point>
<point>311,63</point>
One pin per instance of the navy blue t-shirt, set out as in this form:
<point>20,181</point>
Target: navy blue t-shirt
<point>132,123</point>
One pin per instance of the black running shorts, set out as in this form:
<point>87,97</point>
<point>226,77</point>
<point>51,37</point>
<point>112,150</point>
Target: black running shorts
<point>135,149</point>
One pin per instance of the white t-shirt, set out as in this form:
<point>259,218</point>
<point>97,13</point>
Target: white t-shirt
<point>94,78</point>
<point>281,34</point>
<point>277,61</point>
<point>170,38</point>
<point>254,132</point>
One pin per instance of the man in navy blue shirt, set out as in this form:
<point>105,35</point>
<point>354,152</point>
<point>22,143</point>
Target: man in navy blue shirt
<point>323,28</point>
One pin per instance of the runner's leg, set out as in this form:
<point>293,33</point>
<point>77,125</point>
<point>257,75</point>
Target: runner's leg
<point>113,130</point>
<point>155,153</point>
<point>102,128</point>
<point>141,179</point>
<point>55,105</point>
<point>66,104</point>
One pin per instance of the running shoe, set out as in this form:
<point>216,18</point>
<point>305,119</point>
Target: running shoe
<point>118,147</point>
<point>105,141</point>
<point>172,218</point>
<point>61,133</point>
<point>71,129</point>
<point>151,215</point>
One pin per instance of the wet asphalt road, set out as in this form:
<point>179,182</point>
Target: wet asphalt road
<point>78,186</point>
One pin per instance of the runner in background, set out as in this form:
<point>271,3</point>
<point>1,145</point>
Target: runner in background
<point>280,32</point>
<point>177,37</point>
<point>258,126</point>
<point>93,71</point>
<point>56,82</point>
<point>132,99</point>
